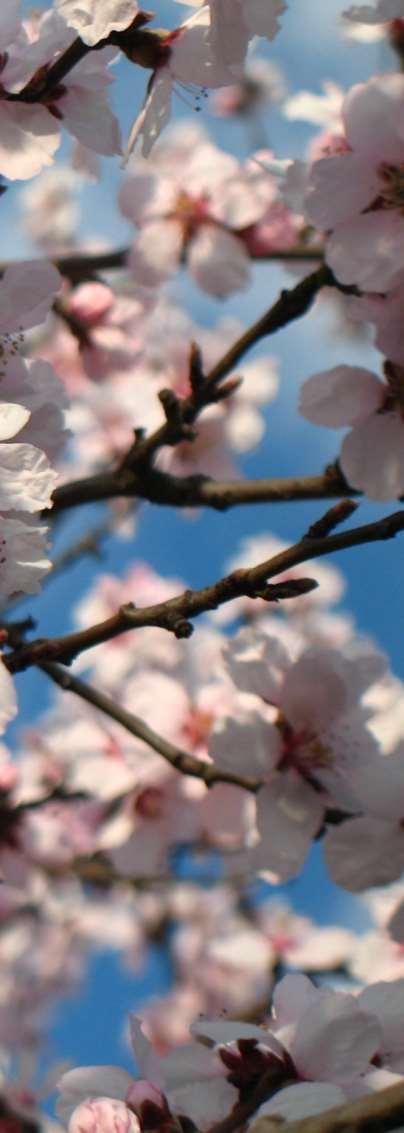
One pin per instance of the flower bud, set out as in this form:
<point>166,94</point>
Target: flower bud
<point>149,1104</point>
<point>103,1115</point>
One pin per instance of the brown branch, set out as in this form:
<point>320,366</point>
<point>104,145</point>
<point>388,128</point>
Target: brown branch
<point>175,614</point>
<point>47,80</point>
<point>182,761</point>
<point>136,476</point>
<point>291,305</point>
<point>198,491</point>
<point>80,266</point>
<point>332,519</point>
<point>373,1113</point>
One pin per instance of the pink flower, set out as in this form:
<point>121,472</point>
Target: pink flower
<point>92,21</point>
<point>30,134</point>
<point>200,210</point>
<point>23,556</point>
<point>236,22</point>
<point>189,55</point>
<point>386,312</point>
<point>194,1084</point>
<point>318,1035</point>
<point>311,749</point>
<point>369,850</point>
<point>372,453</point>
<point>27,291</point>
<point>357,196</point>
<point>103,1115</point>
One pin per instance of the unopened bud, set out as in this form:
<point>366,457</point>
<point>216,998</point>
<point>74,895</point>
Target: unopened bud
<point>149,1104</point>
<point>103,1115</point>
<point>248,1060</point>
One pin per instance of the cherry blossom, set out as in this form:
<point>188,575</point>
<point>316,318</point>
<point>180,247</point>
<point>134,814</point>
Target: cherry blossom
<point>357,194</point>
<point>386,313</point>
<point>91,23</point>
<point>318,1035</point>
<point>193,1078</point>
<point>311,747</point>
<point>372,452</point>
<point>369,850</point>
<point>31,133</point>
<point>201,212</point>
<point>235,23</point>
<point>100,824</point>
<point>103,1115</point>
<point>189,55</point>
<point>27,290</point>
<point>23,556</point>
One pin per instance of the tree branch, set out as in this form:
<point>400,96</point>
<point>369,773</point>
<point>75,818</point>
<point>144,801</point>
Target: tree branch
<point>47,80</point>
<point>291,305</point>
<point>198,491</point>
<point>80,266</point>
<point>135,475</point>
<point>182,761</point>
<point>373,1113</point>
<point>175,614</point>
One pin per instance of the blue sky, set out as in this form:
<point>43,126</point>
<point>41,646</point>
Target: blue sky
<point>308,50</point>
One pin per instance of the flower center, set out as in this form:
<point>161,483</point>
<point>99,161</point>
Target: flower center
<point>198,726</point>
<point>190,211</point>
<point>150,803</point>
<point>303,750</point>
<point>10,346</point>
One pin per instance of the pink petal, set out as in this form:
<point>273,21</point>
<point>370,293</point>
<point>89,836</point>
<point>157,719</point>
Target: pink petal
<point>289,815</point>
<point>372,456</point>
<point>340,396</point>
<point>363,852</point>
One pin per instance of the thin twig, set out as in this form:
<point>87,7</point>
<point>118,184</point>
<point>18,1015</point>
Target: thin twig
<point>332,519</point>
<point>175,614</point>
<point>136,475</point>
<point>182,761</point>
<point>290,305</point>
<point>80,266</point>
<point>46,83</point>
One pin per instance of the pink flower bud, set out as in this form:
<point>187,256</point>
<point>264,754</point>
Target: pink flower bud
<point>150,1105</point>
<point>91,302</point>
<point>103,1115</point>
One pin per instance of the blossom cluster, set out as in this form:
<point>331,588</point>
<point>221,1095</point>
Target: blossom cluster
<point>274,727</point>
<point>318,1048</point>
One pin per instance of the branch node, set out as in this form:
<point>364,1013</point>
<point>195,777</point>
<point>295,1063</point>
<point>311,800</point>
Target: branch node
<point>332,518</point>
<point>182,628</point>
<point>225,391</point>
